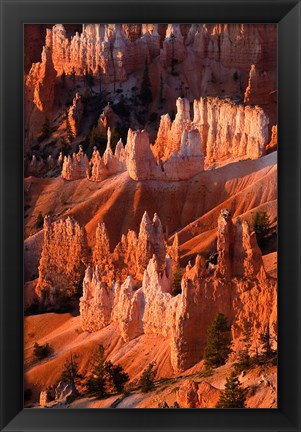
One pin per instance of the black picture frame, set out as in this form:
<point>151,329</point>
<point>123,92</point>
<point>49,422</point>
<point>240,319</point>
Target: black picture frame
<point>14,14</point>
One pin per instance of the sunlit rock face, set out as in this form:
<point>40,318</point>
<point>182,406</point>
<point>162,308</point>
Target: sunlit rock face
<point>97,301</point>
<point>76,166</point>
<point>62,263</point>
<point>40,81</point>
<point>223,53</point>
<point>260,87</point>
<point>228,131</point>
<point>110,51</point>
<point>75,114</point>
<point>272,145</point>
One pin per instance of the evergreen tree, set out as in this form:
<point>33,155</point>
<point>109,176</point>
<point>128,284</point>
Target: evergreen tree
<point>145,91</point>
<point>41,351</point>
<point>244,358</point>
<point>116,376</point>
<point>174,61</point>
<point>262,226</point>
<point>68,128</point>
<point>96,383</point>
<point>146,381</point>
<point>73,77</point>
<point>40,221</point>
<point>89,77</point>
<point>233,395</point>
<point>176,283</point>
<point>219,340</point>
<point>70,372</point>
<point>265,340</point>
<point>45,130</point>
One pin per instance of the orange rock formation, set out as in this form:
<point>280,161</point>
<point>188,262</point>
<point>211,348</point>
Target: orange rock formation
<point>237,286</point>
<point>63,259</point>
<point>228,131</point>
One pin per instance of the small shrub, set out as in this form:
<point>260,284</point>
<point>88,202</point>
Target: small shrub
<point>34,308</point>
<point>39,221</point>
<point>41,351</point>
<point>176,283</point>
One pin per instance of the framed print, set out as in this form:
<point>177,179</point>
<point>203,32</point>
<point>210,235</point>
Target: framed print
<point>150,215</point>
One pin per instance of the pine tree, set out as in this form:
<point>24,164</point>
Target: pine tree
<point>146,381</point>
<point>41,351</point>
<point>244,358</point>
<point>45,130</point>
<point>40,221</point>
<point>96,383</point>
<point>68,129</point>
<point>261,225</point>
<point>176,283</point>
<point>233,395</point>
<point>145,91</point>
<point>70,372</point>
<point>73,77</point>
<point>265,340</point>
<point>219,340</point>
<point>116,376</point>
